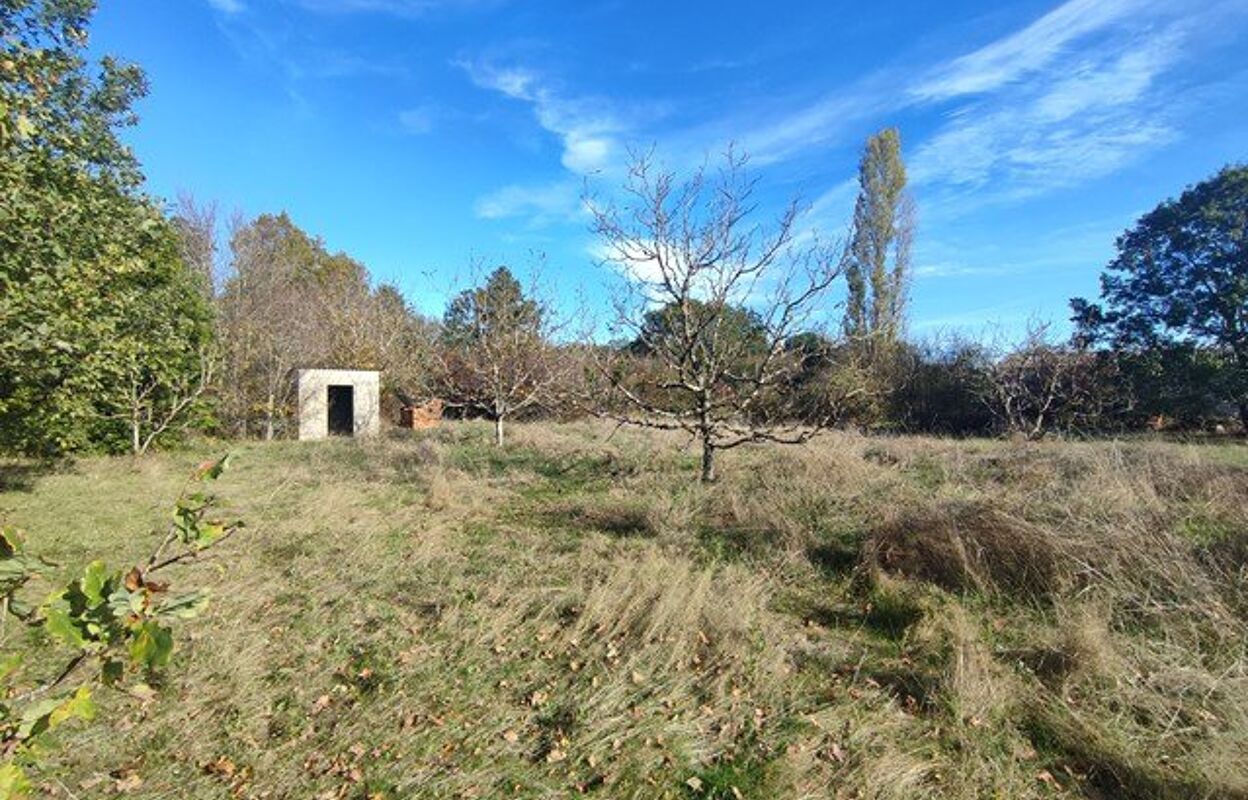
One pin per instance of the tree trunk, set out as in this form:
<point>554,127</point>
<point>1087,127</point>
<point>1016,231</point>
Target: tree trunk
<point>1243,416</point>
<point>708,460</point>
<point>498,431</point>
<point>268,419</point>
<point>135,444</point>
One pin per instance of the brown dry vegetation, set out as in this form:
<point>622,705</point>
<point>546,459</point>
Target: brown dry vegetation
<point>873,618</point>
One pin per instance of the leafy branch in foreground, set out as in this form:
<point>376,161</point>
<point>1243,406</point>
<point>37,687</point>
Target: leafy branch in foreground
<point>116,622</point>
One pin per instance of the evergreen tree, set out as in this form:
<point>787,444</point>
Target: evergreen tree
<point>497,357</point>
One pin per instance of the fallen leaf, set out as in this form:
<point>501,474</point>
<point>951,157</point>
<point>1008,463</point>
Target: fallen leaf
<point>127,782</point>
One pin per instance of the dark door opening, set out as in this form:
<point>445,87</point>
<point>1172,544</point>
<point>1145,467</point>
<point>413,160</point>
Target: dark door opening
<point>341,410</point>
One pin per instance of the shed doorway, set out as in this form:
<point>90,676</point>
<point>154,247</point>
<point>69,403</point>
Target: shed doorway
<point>341,410</point>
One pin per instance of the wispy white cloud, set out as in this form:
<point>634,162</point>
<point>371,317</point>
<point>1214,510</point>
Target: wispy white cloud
<point>1074,95</point>
<point>418,120</point>
<point>539,204</point>
<point>814,126</point>
<point>228,6</point>
<point>1057,127</point>
<point>588,127</point>
<point>826,218</point>
<point>1026,51</point>
<point>845,110</point>
<point>405,8</point>
<point>956,270</point>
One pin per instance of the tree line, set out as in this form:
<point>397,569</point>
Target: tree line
<point>122,325</point>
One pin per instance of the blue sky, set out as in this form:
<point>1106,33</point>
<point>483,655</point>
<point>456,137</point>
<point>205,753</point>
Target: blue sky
<point>418,135</point>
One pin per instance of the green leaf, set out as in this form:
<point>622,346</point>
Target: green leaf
<point>14,572</point>
<point>94,582</point>
<point>15,567</point>
<point>60,623</point>
<point>20,608</point>
<point>152,646</point>
<point>124,603</point>
<point>10,541</point>
<point>111,671</point>
<point>184,606</point>
<point>48,714</point>
<point>209,532</point>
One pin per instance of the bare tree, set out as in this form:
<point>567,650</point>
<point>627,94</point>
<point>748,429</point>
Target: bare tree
<point>268,328</point>
<point>196,223</point>
<point>714,301</point>
<point>1038,386</point>
<point>497,354</point>
<point>154,406</point>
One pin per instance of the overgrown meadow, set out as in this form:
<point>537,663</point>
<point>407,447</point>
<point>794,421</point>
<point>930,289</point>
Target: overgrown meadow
<point>429,616</point>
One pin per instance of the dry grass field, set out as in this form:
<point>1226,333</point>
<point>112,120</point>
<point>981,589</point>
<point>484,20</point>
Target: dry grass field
<point>425,616</point>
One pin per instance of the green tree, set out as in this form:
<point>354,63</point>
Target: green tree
<point>160,357</point>
<point>1180,283</point>
<point>85,260</point>
<point>497,306</point>
<point>878,264</point>
<point>739,327</point>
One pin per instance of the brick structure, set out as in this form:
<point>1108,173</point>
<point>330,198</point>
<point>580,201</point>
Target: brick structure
<point>419,416</point>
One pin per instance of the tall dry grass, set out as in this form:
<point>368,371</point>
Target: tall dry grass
<point>857,618</point>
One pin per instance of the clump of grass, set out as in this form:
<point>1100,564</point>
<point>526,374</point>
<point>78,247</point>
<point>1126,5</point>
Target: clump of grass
<point>968,547</point>
<point>614,517</point>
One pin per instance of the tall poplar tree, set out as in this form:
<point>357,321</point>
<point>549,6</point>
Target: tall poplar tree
<point>878,264</point>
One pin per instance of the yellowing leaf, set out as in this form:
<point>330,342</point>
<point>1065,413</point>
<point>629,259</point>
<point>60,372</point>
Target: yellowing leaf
<point>48,714</point>
<point>13,783</point>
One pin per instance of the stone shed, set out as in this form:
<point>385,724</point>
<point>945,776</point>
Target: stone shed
<point>338,402</point>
